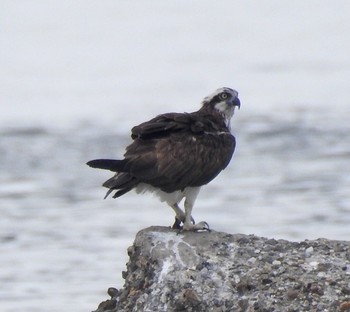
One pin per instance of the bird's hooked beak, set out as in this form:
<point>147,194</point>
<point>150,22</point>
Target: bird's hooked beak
<point>235,102</point>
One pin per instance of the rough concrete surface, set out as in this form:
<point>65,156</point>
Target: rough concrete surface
<point>214,271</point>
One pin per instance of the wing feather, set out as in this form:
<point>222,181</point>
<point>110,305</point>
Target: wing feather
<point>173,151</point>
<point>161,126</point>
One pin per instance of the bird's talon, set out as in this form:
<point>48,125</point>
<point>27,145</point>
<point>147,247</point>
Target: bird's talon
<point>201,226</point>
<point>177,224</point>
<point>205,226</point>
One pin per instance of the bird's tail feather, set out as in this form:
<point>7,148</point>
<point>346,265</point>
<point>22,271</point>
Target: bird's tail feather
<point>122,183</point>
<point>108,164</point>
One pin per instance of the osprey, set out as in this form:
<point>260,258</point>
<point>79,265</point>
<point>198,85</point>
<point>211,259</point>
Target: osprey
<point>174,154</point>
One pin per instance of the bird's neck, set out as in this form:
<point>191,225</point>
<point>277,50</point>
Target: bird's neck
<point>220,118</point>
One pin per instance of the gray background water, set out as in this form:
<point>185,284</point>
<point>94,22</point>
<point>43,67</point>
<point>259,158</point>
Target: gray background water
<point>77,75</point>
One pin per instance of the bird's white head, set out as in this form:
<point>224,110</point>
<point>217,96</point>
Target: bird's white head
<point>223,100</point>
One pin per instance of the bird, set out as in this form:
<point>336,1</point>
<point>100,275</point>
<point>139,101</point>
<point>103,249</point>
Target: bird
<point>174,154</point>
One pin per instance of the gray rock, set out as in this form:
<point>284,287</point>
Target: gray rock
<point>214,271</point>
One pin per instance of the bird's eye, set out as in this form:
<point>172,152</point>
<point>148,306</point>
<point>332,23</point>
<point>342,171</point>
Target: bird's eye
<point>223,96</point>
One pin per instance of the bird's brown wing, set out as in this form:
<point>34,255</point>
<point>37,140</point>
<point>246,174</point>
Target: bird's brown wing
<point>173,151</point>
<point>162,125</point>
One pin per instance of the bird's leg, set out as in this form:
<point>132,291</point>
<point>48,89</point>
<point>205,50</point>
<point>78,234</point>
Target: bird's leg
<point>189,203</point>
<point>179,217</point>
<point>177,224</point>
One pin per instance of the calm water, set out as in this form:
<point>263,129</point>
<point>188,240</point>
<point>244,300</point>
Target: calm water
<point>75,77</point>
